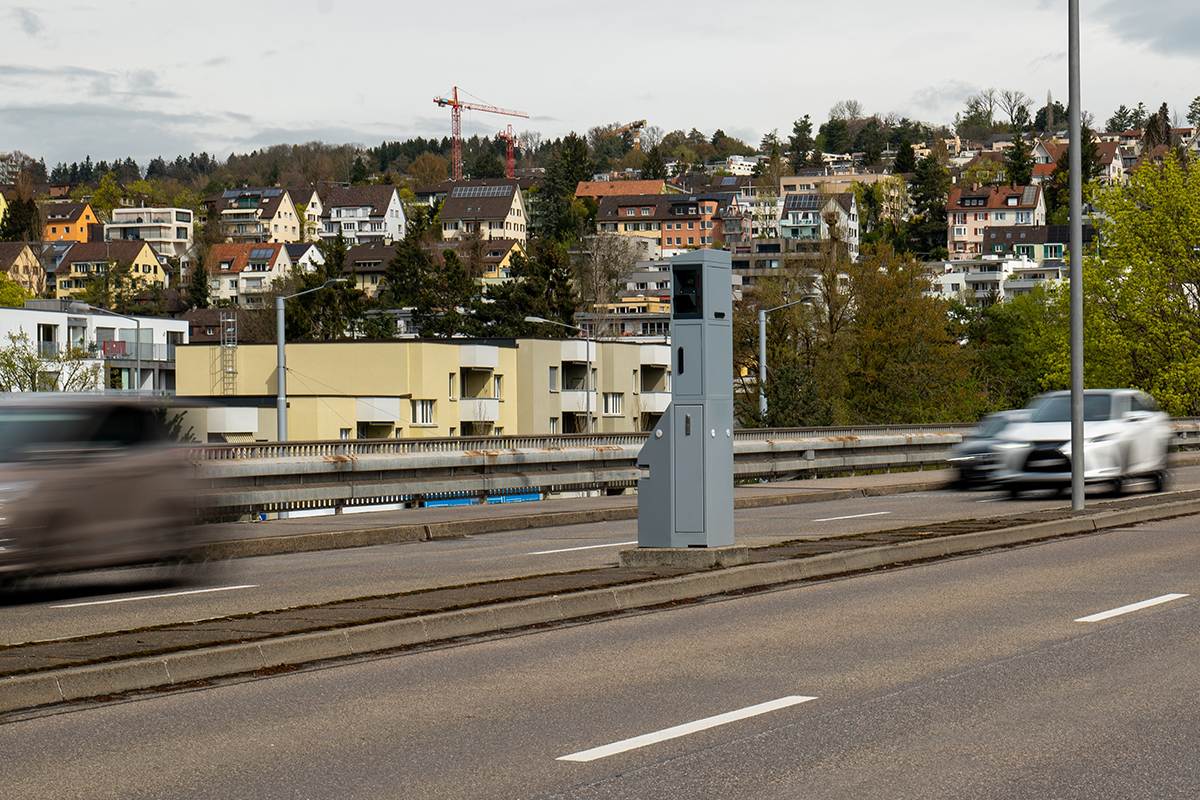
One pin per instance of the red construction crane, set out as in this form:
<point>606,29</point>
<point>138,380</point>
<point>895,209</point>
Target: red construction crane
<point>512,141</point>
<point>456,107</point>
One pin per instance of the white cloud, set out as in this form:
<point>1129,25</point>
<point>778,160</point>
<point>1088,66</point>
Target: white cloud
<point>30,22</point>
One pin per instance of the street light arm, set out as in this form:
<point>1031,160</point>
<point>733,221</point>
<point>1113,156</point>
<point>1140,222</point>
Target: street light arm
<point>314,289</point>
<point>803,299</point>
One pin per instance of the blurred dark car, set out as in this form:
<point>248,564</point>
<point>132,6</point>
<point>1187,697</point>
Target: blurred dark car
<point>89,482</point>
<point>977,457</point>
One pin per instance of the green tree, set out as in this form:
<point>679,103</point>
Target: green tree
<point>655,167</point>
<point>541,286</point>
<point>445,306</point>
<point>802,145</point>
<point>906,160</point>
<point>22,221</point>
<point>106,197</point>
<point>115,286</point>
<point>485,164</point>
<point>906,364</point>
<point>1193,115</point>
<point>1158,129</point>
<point>333,312</point>
<point>12,294</point>
<point>24,368</point>
<point>568,166</point>
<point>1007,347</point>
<point>1058,197</point>
<point>358,174</point>
<point>930,188</point>
<point>834,136</point>
<point>1142,322</point>
<point>198,289</point>
<point>406,274</point>
<point>1018,161</point>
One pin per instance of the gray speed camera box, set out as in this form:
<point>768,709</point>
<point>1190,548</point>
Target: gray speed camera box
<point>685,492</point>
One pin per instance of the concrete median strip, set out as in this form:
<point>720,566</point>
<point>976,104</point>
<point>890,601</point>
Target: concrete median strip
<point>22,692</point>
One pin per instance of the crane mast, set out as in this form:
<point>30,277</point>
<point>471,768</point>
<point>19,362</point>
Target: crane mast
<point>456,107</point>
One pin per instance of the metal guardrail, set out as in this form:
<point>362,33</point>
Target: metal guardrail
<point>240,480</point>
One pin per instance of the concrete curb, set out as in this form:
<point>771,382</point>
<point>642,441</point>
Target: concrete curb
<point>368,537</point>
<point>24,692</point>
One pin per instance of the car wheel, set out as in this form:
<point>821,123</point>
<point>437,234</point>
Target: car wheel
<point>1162,480</point>
<point>1119,485</point>
<point>1013,493</point>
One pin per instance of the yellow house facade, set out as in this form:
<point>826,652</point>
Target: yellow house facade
<point>85,260</point>
<point>424,388</point>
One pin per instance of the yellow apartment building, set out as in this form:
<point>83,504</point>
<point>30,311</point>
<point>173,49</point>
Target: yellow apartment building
<point>424,388</point>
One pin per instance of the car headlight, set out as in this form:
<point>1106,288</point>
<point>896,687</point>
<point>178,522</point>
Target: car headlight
<point>1011,446</point>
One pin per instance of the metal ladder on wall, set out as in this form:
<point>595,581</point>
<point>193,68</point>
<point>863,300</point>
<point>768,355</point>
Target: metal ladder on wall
<point>229,342</point>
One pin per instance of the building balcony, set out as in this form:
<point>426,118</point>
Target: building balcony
<point>478,409</point>
<point>657,355</point>
<point>574,400</point>
<point>653,402</point>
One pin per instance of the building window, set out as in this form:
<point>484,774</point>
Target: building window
<point>554,379</point>
<point>450,385</point>
<point>422,412</point>
<point>497,386</point>
<point>635,381</point>
<point>629,212</point>
<point>612,403</point>
<point>344,433</point>
<point>554,425</point>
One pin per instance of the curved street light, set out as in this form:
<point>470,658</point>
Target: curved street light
<point>762,350</point>
<point>281,360</point>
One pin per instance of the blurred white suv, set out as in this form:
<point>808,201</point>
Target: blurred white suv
<point>1125,435</point>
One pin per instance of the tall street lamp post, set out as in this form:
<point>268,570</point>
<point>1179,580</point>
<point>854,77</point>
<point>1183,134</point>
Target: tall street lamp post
<point>79,308</point>
<point>762,351</point>
<point>281,360</point>
<point>587,378</point>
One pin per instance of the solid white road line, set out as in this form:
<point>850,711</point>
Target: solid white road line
<point>1116,612</point>
<point>589,547</point>
<point>683,730</point>
<point>853,516</point>
<point>156,596</point>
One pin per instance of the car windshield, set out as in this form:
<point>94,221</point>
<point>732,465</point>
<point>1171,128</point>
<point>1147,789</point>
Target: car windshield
<point>25,429</point>
<point>990,426</point>
<point>1096,407</point>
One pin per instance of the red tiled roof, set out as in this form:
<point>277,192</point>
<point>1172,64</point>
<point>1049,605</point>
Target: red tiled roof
<point>605,188</point>
<point>238,255</point>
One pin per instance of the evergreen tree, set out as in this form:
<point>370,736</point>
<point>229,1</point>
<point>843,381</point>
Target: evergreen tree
<point>1018,161</point>
<point>22,222</point>
<point>655,167</point>
<point>198,289</point>
<point>801,145</point>
<point>906,160</point>
<point>1158,129</point>
<point>568,166</point>
<point>930,190</point>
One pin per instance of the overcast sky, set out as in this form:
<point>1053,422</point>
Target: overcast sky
<point>147,78</point>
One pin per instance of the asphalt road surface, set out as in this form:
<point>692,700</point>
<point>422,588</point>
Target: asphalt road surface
<point>1059,670</point>
<point>104,601</point>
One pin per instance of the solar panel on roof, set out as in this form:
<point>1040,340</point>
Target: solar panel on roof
<point>261,252</point>
<point>481,191</point>
<point>728,181</point>
<point>272,192</point>
<point>228,193</point>
<point>803,201</point>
